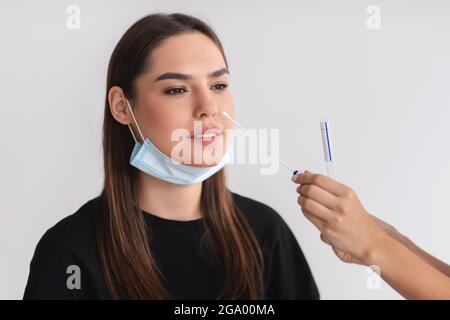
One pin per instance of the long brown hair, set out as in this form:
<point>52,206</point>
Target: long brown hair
<point>123,240</point>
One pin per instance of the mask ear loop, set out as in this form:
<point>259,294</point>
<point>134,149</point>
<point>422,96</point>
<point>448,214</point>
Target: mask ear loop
<point>135,122</point>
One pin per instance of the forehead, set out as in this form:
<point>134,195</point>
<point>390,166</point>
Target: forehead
<point>192,53</point>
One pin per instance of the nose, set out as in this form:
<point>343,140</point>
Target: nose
<point>205,107</point>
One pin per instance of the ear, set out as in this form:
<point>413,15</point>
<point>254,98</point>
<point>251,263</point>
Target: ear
<point>118,106</point>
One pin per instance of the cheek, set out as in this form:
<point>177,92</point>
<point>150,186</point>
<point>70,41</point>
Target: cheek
<point>227,105</point>
<point>161,122</point>
<point>166,127</point>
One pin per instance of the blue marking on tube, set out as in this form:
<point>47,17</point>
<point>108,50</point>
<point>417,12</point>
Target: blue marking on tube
<point>328,141</point>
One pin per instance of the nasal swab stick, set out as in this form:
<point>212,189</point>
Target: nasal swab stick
<point>327,147</point>
<point>263,146</point>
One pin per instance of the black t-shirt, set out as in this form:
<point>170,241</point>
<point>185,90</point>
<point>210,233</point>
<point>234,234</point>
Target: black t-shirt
<point>176,247</point>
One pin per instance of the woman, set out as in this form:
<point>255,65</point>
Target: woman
<point>358,237</point>
<point>161,229</point>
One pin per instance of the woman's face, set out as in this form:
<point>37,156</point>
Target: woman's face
<point>186,87</point>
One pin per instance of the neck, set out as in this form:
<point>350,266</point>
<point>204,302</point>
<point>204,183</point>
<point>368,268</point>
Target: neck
<point>168,200</point>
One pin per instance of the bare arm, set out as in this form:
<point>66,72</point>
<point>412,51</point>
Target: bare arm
<point>406,272</point>
<point>393,232</point>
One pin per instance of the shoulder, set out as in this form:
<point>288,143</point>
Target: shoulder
<point>264,220</point>
<point>69,243</point>
<point>71,234</point>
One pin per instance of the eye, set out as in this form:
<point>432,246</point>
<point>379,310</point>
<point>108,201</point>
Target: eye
<point>219,87</point>
<point>175,91</point>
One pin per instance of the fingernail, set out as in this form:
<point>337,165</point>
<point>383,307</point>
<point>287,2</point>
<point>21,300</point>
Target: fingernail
<point>295,175</point>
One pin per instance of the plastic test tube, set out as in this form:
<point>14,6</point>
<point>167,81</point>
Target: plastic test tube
<point>327,147</point>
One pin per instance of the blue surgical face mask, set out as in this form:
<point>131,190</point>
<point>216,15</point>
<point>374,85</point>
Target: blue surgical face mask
<point>149,159</point>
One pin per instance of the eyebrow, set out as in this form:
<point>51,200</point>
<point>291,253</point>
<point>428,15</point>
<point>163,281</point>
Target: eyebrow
<point>185,77</point>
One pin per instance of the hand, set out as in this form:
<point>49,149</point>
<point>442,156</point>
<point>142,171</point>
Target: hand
<point>345,257</point>
<point>386,227</point>
<point>340,217</point>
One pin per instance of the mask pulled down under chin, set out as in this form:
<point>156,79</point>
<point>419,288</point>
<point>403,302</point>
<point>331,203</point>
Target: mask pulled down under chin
<point>149,159</point>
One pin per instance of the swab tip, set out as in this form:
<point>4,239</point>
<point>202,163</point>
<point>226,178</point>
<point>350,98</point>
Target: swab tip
<point>226,114</point>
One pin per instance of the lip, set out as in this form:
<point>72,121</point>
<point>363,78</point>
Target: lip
<point>207,135</point>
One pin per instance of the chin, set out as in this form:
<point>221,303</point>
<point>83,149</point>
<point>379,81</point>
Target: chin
<point>205,164</point>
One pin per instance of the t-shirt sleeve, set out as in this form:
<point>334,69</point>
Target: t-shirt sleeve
<point>50,270</point>
<point>289,276</point>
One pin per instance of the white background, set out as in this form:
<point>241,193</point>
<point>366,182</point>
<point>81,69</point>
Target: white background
<point>385,92</point>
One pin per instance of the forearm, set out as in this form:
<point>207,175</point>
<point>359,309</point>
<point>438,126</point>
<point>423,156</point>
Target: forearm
<point>407,273</point>
<point>436,263</point>
<point>393,232</point>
